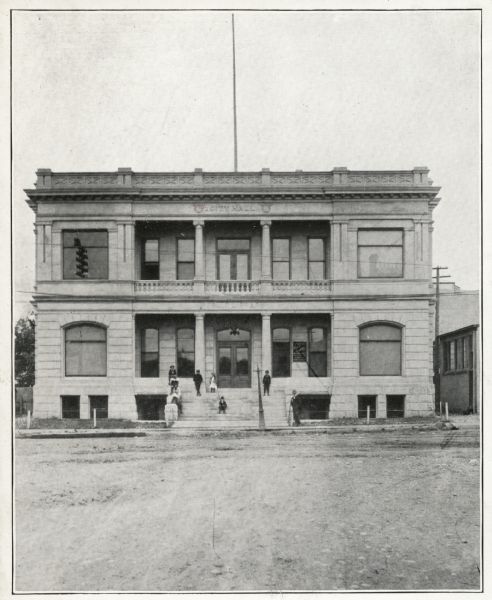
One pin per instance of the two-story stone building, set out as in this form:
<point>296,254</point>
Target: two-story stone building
<point>323,278</point>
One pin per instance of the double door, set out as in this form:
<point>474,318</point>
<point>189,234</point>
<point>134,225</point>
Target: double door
<point>233,365</point>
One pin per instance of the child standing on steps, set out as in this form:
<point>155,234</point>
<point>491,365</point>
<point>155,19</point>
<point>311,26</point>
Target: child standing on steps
<point>213,383</point>
<point>198,379</point>
<point>267,380</point>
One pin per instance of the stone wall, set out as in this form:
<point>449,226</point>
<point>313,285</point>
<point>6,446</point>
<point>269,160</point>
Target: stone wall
<point>415,383</point>
<point>51,382</point>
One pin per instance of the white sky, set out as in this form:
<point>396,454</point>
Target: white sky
<point>153,91</point>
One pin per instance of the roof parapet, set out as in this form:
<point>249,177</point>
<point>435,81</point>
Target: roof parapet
<point>338,177</point>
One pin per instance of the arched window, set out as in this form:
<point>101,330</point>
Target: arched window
<point>380,349</point>
<point>185,345</point>
<point>281,352</point>
<point>85,351</point>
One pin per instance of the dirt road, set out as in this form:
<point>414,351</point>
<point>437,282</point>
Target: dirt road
<point>253,511</point>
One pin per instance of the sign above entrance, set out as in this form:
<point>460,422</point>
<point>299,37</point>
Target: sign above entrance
<point>299,352</point>
<point>232,208</point>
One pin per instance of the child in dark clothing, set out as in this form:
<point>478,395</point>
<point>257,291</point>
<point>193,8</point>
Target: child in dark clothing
<point>198,379</point>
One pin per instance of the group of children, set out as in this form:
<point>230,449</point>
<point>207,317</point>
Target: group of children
<point>174,406</point>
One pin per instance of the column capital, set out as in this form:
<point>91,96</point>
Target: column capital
<point>199,315</point>
<point>266,315</point>
<point>198,222</point>
<point>266,222</point>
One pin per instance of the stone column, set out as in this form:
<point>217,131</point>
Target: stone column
<point>200,343</point>
<point>266,257</point>
<point>266,343</point>
<point>199,284</point>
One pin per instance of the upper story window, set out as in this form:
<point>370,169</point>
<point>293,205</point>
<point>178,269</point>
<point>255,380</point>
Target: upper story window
<point>380,349</point>
<point>149,366</point>
<point>316,258</point>
<point>150,259</point>
<point>458,354</point>
<point>280,258</point>
<point>233,259</point>
<point>85,351</point>
<point>85,254</point>
<point>185,268</point>
<point>380,253</point>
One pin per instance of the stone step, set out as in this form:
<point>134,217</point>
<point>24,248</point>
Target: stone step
<point>217,423</point>
<point>201,412</point>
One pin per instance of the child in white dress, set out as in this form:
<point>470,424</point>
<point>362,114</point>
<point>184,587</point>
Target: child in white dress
<point>213,383</point>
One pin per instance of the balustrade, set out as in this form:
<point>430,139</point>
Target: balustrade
<point>233,287</point>
<point>301,286</point>
<point>165,287</point>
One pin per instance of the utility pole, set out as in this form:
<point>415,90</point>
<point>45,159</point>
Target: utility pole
<point>437,354</point>
<point>261,416</point>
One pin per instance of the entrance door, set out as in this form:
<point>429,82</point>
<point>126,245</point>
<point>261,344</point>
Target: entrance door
<point>233,363</point>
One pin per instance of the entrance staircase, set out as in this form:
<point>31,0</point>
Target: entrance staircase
<point>201,412</point>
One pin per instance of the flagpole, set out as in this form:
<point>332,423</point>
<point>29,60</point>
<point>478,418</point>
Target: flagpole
<point>234,92</point>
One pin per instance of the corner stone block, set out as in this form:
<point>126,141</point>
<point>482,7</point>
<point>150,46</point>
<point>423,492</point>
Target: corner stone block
<point>125,175</point>
<point>43,178</point>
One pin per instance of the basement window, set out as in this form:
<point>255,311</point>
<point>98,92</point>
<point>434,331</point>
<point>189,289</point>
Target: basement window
<point>100,405</point>
<point>395,407</point>
<point>150,407</point>
<point>70,407</point>
<point>315,406</point>
<point>364,402</point>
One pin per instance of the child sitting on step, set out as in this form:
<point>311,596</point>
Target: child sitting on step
<point>222,406</point>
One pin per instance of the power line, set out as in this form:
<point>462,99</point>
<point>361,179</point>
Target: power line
<point>216,253</point>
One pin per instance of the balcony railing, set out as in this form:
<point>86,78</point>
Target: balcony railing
<point>164,287</point>
<point>234,288</point>
<point>299,287</point>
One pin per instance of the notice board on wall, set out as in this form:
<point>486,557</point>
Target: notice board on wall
<point>299,351</point>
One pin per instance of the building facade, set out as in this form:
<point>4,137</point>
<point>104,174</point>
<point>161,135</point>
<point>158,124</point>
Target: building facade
<point>459,348</point>
<point>322,278</point>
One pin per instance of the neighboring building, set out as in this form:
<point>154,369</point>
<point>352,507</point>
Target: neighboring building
<point>457,308</point>
<point>323,278</point>
<point>459,348</point>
